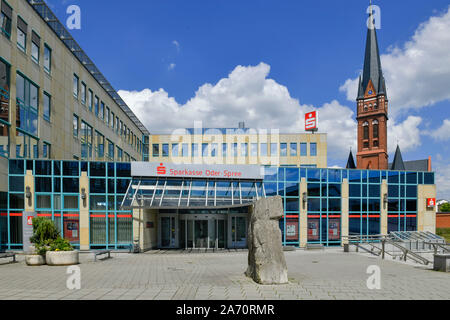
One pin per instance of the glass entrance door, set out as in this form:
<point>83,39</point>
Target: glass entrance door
<point>201,234</point>
<point>206,231</point>
<point>238,232</point>
<point>168,232</point>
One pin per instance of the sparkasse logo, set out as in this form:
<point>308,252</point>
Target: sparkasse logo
<point>161,169</point>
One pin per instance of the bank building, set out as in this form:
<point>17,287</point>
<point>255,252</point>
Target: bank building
<point>73,151</point>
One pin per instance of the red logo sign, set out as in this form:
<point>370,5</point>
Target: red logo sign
<point>161,169</point>
<point>30,220</point>
<point>311,121</point>
<point>431,202</point>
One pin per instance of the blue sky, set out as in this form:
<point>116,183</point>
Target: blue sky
<point>163,54</point>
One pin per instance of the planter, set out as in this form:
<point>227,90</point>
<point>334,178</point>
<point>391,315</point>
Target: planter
<point>62,258</point>
<point>34,260</point>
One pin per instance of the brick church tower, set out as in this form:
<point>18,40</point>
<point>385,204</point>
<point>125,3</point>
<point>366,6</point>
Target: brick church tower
<point>372,108</point>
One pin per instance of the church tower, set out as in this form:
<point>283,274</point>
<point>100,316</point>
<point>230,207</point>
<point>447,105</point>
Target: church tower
<point>372,107</point>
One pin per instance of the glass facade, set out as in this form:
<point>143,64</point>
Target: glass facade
<point>57,196</point>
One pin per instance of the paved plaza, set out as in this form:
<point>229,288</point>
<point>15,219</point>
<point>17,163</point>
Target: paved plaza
<point>326,274</point>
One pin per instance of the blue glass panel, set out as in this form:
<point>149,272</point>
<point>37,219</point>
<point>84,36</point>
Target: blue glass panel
<point>374,226</point>
<point>123,170</point>
<point>17,184</point>
<point>16,166</point>
<point>393,177</point>
<point>313,190</point>
<point>270,188</point>
<point>374,205</point>
<point>292,174</point>
<point>71,185</point>
<point>354,176</point>
<point>97,169</point>
<point>420,178</point>
<point>428,178</point>
<point>393,191</point>
<point>280,174</point>
<point>374,191</point>
<point>354,190</point>
<point>324,205</point>
<point>324,175</point>
<point>292,189</point>
<point>411,177</point>
<point>355,205</point>
<point>313,205</point>
<point>97,185</point>
<point>411,205</point>
<point>43,168</point>
<point>334,190</point>
<point>71,169</point>
<point>411,191</point>
<point>334,205</point>
<point>393,205</point>
<point>411,224</point>
<point>281,189</point>
<point>270,174</point>
<point>334,175</point>
<point>313,174</point>
<point>374,176</point>
<point>292,204</point>
<point>111,169</point>
<point>43,184</point>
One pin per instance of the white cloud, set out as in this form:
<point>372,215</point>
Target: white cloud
<point>405,134</point>
<point>172,66</point>
<point>418,73</point>
<point>176,44</point>
<point>442,169</point>
<point>443,133</point>
<point>247,94</point>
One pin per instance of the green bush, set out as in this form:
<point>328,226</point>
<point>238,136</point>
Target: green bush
<point>46,237</point>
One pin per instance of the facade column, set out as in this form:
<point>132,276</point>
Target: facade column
<point>426,217</point>
<point>303,230</point>
<point>138,227</point>
<point>384,208</point>
<point>84,212</point>
<point>345,210</point>
<point>29,183</point>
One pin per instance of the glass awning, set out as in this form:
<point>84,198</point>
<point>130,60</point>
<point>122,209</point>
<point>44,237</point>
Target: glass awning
<point>191,193</point>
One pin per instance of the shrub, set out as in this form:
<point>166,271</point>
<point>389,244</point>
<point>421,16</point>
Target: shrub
<point>60,244</point>
<point>44,230</point>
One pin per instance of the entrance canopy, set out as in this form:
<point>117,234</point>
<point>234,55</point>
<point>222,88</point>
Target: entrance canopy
<point>191,193</point>
<point>159,185</point>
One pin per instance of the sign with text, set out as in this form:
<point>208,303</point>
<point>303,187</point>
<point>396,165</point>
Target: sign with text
<point>311,121</point>
<point>170,170</point>
<point>431,202</point>
<point>27,229</point>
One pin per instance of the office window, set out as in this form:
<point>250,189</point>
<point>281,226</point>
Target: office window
<point>108,115</point>
<point>46,151</point>
<point>293,149</point>
<point>5,19</point>
<point>110,150</point>
<point>254,149</point>
<point>5,74</point>
<point>96,106</point>
<point>263,149</point>
<point>283,149</point>
<point>205,150</point>
<point>90,100</point>
<point>214,149</point>
<point>47,58</point>
<point>155,150</point>
<point>100,144</point>
<point>113,121</point>
<point>87,140</point>
<point>119,154</point>
<point>47,106</point>
<point>165,150</point>
<point>185,150</point>
<point>101,113</point>
<point>194,152</point>
<point>76,82</point>
<point>366,130</point>
<point>28,104</point>
<point>273,149</point>
<point>175,150</point>
<point>121,128</point>
<point>304,149</point>
<point>83,93</point>
<point>75,126</point>
<point>234,149</point>
<point>117,124</point>
<point>313,151</point>
<point>35,46</point>
<point>22,29</point>
<point>224,150</point>
<point>244,149</point>
<point>375,129</point>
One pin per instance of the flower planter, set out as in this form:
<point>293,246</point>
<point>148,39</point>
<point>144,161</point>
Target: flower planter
<point>62,258</point>
<point>34,260</point>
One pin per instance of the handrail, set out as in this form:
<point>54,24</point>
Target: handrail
<point>406,252</point>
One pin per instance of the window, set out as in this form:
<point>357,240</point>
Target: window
<point>205,150</point>
<point>22,28</point>
<point>194,152</point>
<point>47,106</point>
<point>375,129</point>
<point>87,140</point>
<point>113,121</point>
<point>5,73</point>
<point>101,113</point>
<point>108,115</point>
<point>96,106</point>
<point>165,150</point>
<point>244,149</point>
<point>175,150</point>
<point>27,102</point>
<point>47,58</point>
<point>117,124</point>
<point>283,149</point>
<point>303,149</point>
<point>75,126</point>
<point>375,143</point>
<point>234,148</point>
<point>100,145</point>
<point>119,154</point>
<point>273,149</point>
<point>121,128</point>
<point>313,151</point>
<point>76,81</point>
<point>224,150</point>
<point>83,93</point>
<point>293,149</point>
<point>263,149</point>
<point>366,130</point>
<point>46,149</point>
<point>254,149</point>
<point>35,47</point>
<point>90,101</point>
<point>184,150</point>
<point>110,150</point>
<point>214,149</point>
<point>155,150</point>
<point>5,19</point>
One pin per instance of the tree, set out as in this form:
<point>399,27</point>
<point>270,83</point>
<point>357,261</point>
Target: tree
<point>445,207</point>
